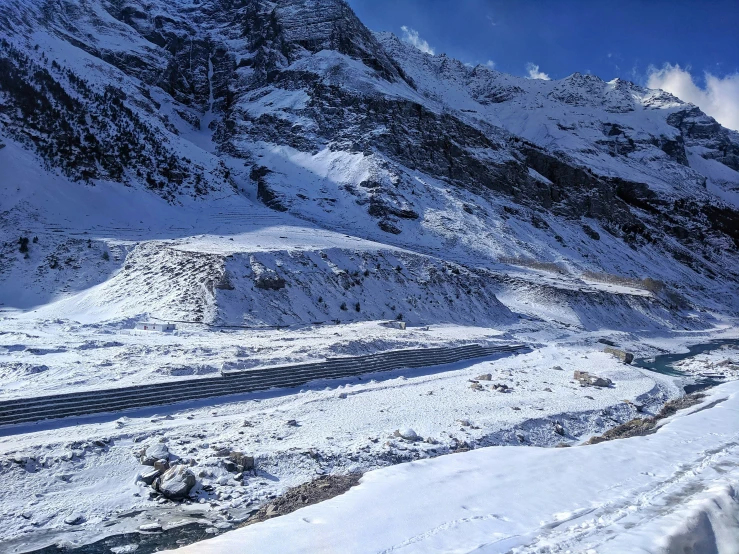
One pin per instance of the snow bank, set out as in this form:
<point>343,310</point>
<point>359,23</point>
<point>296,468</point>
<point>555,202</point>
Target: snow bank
<point>608,497</point>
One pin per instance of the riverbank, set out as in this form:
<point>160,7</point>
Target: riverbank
<point>621,496</point>
<point>297,436</point>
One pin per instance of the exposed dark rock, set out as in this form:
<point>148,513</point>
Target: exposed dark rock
<point>625,357</point>
<point>644,426</point>
<point>176,483</point>
<point>388,227</point>
<point>588,380</point>
<point>318,490</point>
<point>242,461</point>
<point>269,280</point>
<point>592,233</point>
<point>264,192</point>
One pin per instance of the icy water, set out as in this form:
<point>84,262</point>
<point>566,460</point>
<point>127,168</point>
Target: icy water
<point>664,362</point>
<point>148,543</point>
<point>138,543</point>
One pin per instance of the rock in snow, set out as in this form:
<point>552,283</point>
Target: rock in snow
<point>154,453</point>
<point>625,357</point>
<point>406,433</point>
<point>587,380</point>
<point>149,476</point>
<point>242,461</point>
<point>176,483</point>
<point>74,519</point>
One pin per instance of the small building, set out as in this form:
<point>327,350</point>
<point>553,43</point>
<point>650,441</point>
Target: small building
<point>394,324</point>
<point>149,326</point>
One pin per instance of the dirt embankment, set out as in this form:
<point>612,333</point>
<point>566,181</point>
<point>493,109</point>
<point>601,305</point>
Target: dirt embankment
<point>315,491</point>
<point>645,426</point>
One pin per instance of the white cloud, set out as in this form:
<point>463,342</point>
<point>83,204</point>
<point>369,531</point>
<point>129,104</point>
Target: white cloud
<point>490,64</point>
<point>411,36</point>
<point>534,72</point>
<point>719,99</point>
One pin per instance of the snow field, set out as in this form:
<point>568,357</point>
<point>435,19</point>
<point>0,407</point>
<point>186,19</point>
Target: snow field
<point>342,426</point>
<point>661,493</point>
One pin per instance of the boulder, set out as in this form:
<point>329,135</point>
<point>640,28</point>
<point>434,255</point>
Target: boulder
<point>484,377</point>
<point>154,453</point>
<point>625,357</point>
<point>406,433</point>
<point>587,380</point>
<point>176,483</point>
<point>149,476</point>
<point>242,461</point>
<point>74,519</point>
<point>150,527</point>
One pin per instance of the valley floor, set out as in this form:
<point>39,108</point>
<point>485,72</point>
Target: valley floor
<point>673,491</point>
<point>85,469</point>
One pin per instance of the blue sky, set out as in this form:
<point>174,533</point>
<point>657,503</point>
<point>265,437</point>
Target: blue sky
<point>607,38</point>
<point>689,46</point>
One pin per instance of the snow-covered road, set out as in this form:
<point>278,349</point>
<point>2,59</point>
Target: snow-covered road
<point>674,491</point>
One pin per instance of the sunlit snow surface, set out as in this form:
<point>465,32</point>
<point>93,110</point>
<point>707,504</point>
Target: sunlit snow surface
<point>110,255</point>
<point>674,491</point>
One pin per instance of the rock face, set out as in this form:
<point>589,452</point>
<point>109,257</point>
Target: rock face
<point>588,380</point>
<point>392,142</point>
<point>269,281</point>
<point>176,483</point>
<point>625,357</point>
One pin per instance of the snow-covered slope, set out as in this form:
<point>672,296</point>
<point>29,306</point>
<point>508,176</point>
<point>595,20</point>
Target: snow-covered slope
<point>278,178</point>
<point>126,123</point>
<point>632,495</point>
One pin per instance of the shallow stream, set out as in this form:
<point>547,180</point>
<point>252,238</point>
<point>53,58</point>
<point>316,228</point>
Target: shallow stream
<point>663,363</point>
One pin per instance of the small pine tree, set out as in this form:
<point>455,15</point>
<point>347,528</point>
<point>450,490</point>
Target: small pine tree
<point>400,317</point>
<point>106,256</point>
<point>23,245</point>
<point>343,306</point>
<point>35,240</point>
<point>357,306</point>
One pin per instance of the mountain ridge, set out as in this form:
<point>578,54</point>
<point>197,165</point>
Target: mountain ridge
<point>295,104</point>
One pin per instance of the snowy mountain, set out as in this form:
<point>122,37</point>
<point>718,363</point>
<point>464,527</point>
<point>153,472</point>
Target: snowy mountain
<point>280,181</point>
<point>133,127</point>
